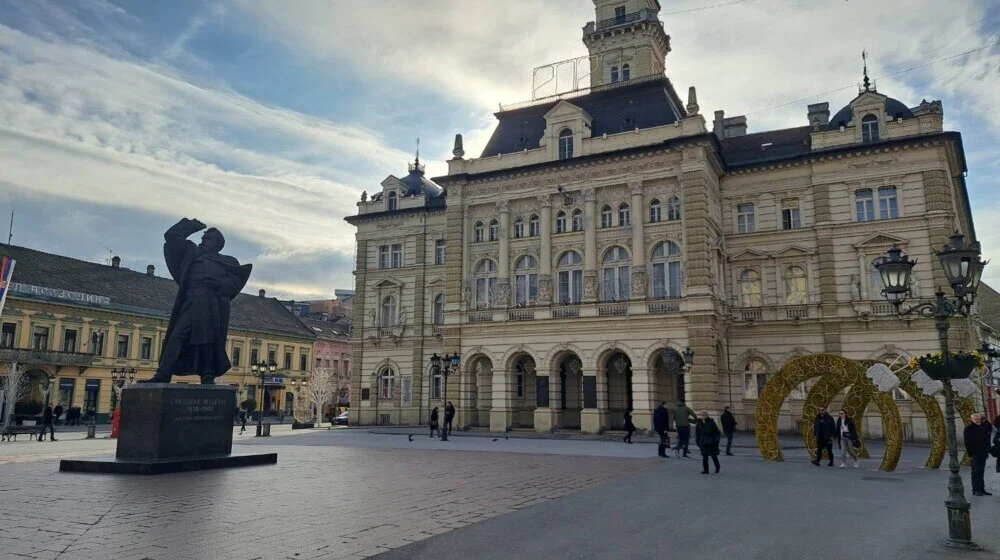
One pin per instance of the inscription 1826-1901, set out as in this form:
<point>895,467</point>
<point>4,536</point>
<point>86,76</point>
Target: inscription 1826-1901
<point>198,409</point>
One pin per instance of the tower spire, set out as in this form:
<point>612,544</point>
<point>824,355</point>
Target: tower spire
<point>417,160</point>
<point>864,58</point>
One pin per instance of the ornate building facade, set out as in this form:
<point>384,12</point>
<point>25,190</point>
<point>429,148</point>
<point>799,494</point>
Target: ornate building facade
<point>603,232</point>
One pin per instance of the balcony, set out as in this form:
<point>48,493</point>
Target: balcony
<point>624,19</point>
<point>612,309</point>
<point>566,312</point>
<point>874,309</point>
<point>773,308</point>
<point>521,315</point>
<point>663,306</point>
<point>30,356</point>
<point>481,317</point>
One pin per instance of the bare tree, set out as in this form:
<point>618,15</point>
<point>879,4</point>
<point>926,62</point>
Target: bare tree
<point>14,386</point>
<point>323,385</point>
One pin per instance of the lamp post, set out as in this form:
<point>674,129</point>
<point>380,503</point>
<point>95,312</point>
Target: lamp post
<point>260,370</point>
<point>120,378</point>
<point>963,268</point>
<point>668,355</point>
<point>444,366</point>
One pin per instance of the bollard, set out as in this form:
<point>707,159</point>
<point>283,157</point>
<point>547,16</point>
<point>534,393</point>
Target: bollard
<point>91,431</point>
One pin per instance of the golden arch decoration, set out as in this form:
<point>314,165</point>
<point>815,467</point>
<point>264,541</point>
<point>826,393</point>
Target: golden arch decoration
<point>837,373</point>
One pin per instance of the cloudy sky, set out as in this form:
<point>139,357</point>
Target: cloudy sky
<point>267,118</point>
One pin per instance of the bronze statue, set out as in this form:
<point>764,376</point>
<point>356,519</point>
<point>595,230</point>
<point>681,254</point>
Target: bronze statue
<point>195,343</point>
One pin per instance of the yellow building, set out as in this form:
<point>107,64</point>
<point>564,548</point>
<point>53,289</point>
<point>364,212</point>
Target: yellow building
<point>72,322</point>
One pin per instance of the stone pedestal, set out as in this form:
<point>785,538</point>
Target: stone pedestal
<point>545,420</point>
<point>170,427</point>
<point>500,420</point>
<point>592,421</point>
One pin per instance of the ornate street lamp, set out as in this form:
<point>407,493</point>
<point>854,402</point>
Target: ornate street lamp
<point>963,267</point>
<point>688,356</point>
<point>444,366</point>
<point>261,370</point>
<point>121,378</point>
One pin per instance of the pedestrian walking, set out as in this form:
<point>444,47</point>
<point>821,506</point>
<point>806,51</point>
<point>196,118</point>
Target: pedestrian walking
<point>47,423</point>
<point>825,429</point>
<point>57,413</point>
<point>661,423</point>
<point>707,437</point>
<point>629,426</point>
<point>683,416</point>
<point>728,428</point>
<point>434,422</point>
<point>847,439</point>
<point>977,445</point>
<point>449,417</point>
<point>243,421</point>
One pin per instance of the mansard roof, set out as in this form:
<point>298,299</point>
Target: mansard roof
<point>766,146</point>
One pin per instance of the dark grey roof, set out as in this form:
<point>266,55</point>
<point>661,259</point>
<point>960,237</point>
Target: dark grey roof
<point>329,330</point>
<point>417,184</point>
<point>893,109</point>
<point>137,292</point>
<point>766,146</point>
<point>989,306</point>
<point>645,104</point>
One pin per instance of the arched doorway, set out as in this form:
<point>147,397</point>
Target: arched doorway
<point>618,371</point>
<point>569,400</point>
<point>668,376</point>
<point>289,403</point>
<point>523,391</point>
<point>478,391</point>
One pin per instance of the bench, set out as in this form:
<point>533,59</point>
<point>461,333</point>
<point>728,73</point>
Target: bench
<point>10,432</point>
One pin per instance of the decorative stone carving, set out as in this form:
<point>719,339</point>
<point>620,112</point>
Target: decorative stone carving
<point>467,290</point>
<point>544,290</point>
<point>882,377</point>
<point>588,195</point>
<point>855,288</point>
<point>964,387</point>
<point>501,295</point>
<point>639,282</point>
<point>927,385</point>
<point>590,285</point>
<point>635,187</point>
<point>503,206</point>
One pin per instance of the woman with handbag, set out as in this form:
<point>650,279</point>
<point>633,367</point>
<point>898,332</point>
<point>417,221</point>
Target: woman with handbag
<point>847,439</point>
<point>434,422</point>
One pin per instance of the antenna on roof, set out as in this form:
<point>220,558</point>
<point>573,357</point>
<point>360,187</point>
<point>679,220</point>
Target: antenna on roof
<point>110,253</point>
<point>10,232</point>
<point>864,58</point>
<point>417,161</point>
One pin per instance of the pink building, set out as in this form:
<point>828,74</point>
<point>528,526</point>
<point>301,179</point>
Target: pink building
<point>332,349</point>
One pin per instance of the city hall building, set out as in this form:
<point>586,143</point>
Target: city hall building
<point>603,232</point>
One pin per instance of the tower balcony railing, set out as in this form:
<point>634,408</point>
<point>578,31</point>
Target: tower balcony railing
<point>774,308</point>
<point>624,19</point>
<point>33,356</point>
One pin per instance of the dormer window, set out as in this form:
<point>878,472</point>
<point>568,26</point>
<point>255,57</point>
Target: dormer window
<point>390,201</point>
<point>565,143</point>
<point>869,129</point>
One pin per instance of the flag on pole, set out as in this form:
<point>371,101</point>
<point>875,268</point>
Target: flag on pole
<point>6,271</point>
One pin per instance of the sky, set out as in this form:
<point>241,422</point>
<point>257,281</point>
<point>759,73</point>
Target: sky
<point>267,119</point>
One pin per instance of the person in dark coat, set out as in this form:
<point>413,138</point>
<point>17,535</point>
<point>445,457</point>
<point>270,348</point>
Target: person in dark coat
<point>243,421</point>
<point>661,423</point>
<point>977,445</point>
<point>449,417</point>
<point>707,437</point>
<point>629,426</point>
<point>683,416</point>
<point>195,341</point>
<point>57,412</point>
<point>47,423</point>
<point>996,439</point>
<point>728,428</point>
<point>825,429</point>
<point>847,438</point>
<point>434,422</point>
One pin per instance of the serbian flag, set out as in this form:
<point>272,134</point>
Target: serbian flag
<point>6,271</point>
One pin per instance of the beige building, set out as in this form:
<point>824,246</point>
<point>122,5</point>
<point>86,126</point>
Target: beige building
<point>604,231</point>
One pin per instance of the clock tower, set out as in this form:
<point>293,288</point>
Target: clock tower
<point>626,41</point>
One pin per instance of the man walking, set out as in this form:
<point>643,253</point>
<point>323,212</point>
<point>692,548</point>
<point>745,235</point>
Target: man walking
<point>706,437</point>
<point>683,416</point>
<point>977,445</point>
<point>449,416</point>
<point>47,422</point>
<point>825,429</point>
<point>847,439</point>
<point>728,428</point>
<point>661,423</point>
<point>56,413</point>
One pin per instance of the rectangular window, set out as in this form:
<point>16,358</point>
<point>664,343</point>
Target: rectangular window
<point>272,356</point>
<point>745,222</point>
<point>790,214</point>
<point>336,364</point>
<point>397,255</point>
<point>122,349</point>
<point>347,368</point>
<point>439,251</point>
<point>303,362</point>
<point>69,340</point>
<point>533,227</point>
<point>93,393</point>
<point>864,205</point>
<point>288,360</point>
<point>40,340</point>
<point>319,362</point>
<point>237,350</point>
<point>7,335</point>
<point>66,389</point>
<point>252,393</point>
<point>619,14</point>
<point>146,350</point>
<point>436,386</point>
<point>254,355</point>
<point>383,256</point>
<point>570,286</point>
<point>888,208</point>
<point>97,343</point>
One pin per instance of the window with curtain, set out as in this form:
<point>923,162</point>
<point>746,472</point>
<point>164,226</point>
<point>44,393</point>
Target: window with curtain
<point>479,232</point>
<point>666,268</point>
<point>869,129</point>
<point>796,289</point>
<point>655,212</point>
<point>533,226</point>
<point>383,256</point>
<point>438,318</point>
<point>518,228</point>
<point>486,281</point>
<point>673,208</point>
<point>750,289</point>
<point>617,280</point>
<point>570,278</point>
<point>790,218</point>
<point>561,222</point>
<point>494,230</point>
<point>614,74</point>
<point>577,220</point>
<point>397,255</point>
<point>864,205</point>
<point>388,316</point>
<point>626,72</point>
<point>391,201</point>
<point>526,281</point>
<point>565,143</point>
<point>888,207</point>
<point>754,378</point>
<point>386,382</point>
<point>745,220</point>
<point>606,216</point>
<point>624,214</point>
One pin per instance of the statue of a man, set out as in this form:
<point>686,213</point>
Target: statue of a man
<point>195,343</point>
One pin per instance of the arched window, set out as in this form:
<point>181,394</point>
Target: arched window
<point>390,201</point>
<point>486,282</point>
<point>386,383</point>
<point>438,318</point>
<point>494,230</point>
<point>561,222</point>
<point>626,72</point>
<point>606,216</point>
<point>624,214</point>
<point>570,278</point>
<point>533,226</point>
<point>754,378</point>
<point>565,143</point>
<point>869,128</point>
<point>614,74</point>
<point>480,232</point>
<point>796,288</point>
<point>750,295</point>
<point>525,281</point>
<point>654,211</point>
<point>388,312</point>
<point>666,264</point>
<point>577,220</point>
<point>518,228</point>
<point>617,278</point>
<point>673,208</point>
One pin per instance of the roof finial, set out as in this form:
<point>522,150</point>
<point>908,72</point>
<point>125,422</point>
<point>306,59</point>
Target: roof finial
<point>864,57</point>
<point>417,161</point>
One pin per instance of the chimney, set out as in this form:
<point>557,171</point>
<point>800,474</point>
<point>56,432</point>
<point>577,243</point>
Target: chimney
<point>116,262</point>
<point>261,293</point>
<point>734,126</point>
<point>458,152</point>
<point>150,269</point>
<point>692,105</point>
<point>819,115</point>
<point>717,126</point>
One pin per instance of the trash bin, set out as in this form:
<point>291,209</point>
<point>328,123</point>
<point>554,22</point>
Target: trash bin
<point>267,430</point>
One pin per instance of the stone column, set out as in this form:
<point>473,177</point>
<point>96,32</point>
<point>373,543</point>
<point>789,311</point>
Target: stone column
<point>501,409</point>
<point>643,398</point>
<point>639,278</point>
<point>502,296</point>
<point>545,411</point>
<point>545,254</point>
<point>595,403</point>
<point>590,277</point>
